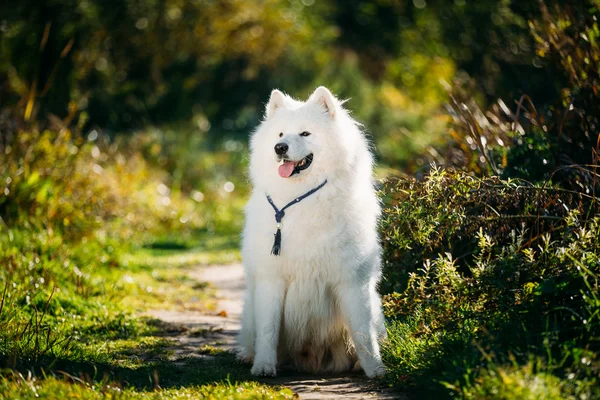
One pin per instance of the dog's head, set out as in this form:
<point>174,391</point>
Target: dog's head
<point>302,142</point>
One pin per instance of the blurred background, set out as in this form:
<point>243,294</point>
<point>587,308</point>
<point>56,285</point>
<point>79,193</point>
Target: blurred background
<point>172,89</point>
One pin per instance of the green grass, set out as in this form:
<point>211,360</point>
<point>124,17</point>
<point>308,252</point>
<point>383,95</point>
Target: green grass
<point>530,381</point>
<point>21,387</point>
<point>91,240</point>
<point>83,334</point>
<point>138,367</point>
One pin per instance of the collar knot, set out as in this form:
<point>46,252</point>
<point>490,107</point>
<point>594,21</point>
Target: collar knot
<point>279,214</point>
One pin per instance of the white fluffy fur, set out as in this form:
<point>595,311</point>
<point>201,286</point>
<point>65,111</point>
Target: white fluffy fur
<point>315,305</point>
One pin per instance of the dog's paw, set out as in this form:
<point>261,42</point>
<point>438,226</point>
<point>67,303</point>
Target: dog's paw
<point>376,371</point>
<point>245,356</point>
<point>264,368</point>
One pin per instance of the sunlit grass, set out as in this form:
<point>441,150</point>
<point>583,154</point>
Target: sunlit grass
<point>84,335</point>
<point>23,387</point>
<point>86,254</point>
<point>531,381</point>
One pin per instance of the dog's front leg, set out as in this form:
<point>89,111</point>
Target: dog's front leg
<point>247,331</point>
<point>358,309</point>
<point>268,303</point>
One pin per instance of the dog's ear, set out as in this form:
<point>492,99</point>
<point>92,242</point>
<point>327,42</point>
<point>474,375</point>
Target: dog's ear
<point>323,97</point>
<point>276,101</point>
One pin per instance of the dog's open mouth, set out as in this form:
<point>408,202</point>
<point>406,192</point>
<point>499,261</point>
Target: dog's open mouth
<point>289,167</point>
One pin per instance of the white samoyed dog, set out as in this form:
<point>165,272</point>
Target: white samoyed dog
<point>310,245</point>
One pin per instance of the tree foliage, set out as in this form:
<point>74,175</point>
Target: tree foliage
<point>121,66</point>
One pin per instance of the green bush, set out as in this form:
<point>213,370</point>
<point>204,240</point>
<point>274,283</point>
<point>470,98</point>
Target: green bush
<point>492,283</point>
<point>76,188</point>
<point>481,270</point>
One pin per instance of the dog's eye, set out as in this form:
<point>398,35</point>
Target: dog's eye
<point>281,134</point>
<point>305,134</point>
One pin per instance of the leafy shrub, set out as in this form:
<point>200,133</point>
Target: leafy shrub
<point>448,210</point>
<point>493,282</point>
<point>61,183</point>
<point>477,269</point>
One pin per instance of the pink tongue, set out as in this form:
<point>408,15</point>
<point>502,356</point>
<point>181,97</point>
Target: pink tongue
<point>286,169</point>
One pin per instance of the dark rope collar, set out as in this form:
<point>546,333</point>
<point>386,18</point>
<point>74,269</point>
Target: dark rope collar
<point>279,214</point>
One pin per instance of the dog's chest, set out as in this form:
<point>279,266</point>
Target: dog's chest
<point>311,236</point>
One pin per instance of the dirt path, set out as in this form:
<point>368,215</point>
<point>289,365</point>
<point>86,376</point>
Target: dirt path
<point>220,328</point>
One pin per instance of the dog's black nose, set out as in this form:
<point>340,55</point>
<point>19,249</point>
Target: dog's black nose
<point>281,148</point>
